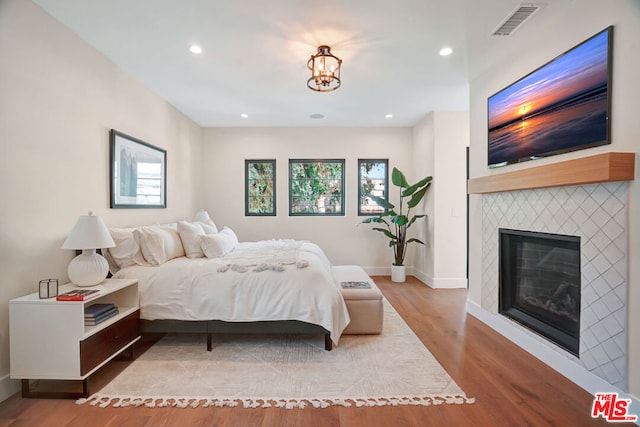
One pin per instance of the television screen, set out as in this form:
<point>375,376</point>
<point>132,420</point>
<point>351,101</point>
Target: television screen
<point>562,106</point>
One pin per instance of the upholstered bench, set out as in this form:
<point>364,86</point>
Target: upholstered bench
<point>364,304</point>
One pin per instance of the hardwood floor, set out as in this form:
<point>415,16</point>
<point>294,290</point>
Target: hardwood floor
<point>511,387</point>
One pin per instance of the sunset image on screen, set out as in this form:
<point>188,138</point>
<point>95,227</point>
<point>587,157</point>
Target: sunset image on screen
<point>557,108</point>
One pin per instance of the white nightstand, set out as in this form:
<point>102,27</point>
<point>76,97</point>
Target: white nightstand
<point>49,340</point>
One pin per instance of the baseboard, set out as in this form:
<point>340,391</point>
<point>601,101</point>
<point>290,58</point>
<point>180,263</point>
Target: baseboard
<point>8,387</point>
<point>441,283</point>
<point>574,372</point>
<point>378,271</point>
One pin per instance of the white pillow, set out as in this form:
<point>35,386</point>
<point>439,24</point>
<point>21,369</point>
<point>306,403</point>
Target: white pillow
<point>191,236</point>
<point>126,252</point>
<point>208,227</point>
<point>159,244</point>
<point>219,244</point>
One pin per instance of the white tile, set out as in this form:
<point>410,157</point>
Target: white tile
<point>589,228</point>
<point>588,316</point>
<point>600,194</point>
<point>588,339</point>
<point>589,250</point>
<point>588,361</point>
<point>601,263</point>
<point>612,229</point>
<point>599,355</point>
<point>612,206</point>
<point>589,206</point>
<point>611,374</point>
<point>612,301</point>
<point>613,253</point>
<point>588,295</point>
<point>612,326</point>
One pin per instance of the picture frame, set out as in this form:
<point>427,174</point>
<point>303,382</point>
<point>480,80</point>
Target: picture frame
<point>137,174</point>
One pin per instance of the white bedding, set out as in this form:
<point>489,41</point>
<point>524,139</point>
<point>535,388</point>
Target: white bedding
<point>257,281</point>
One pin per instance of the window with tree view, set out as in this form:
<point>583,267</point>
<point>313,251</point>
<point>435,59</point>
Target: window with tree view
<point>316,187</point>
<point>260,189</point>
<point>373,180</point>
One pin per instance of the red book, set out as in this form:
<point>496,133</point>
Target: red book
<point>78,295</point>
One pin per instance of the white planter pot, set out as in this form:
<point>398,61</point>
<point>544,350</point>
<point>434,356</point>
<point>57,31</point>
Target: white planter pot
<point>398,273</point>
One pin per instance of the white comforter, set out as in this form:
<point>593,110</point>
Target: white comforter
<point>257,281</point>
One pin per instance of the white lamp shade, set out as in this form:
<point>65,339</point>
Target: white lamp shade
<point>89,233</point>
<point>202,216</point>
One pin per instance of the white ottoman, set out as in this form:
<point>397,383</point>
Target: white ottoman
<point>364,304</point>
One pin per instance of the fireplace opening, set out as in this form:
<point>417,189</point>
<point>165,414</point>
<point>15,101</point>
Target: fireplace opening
<point>540,284</point>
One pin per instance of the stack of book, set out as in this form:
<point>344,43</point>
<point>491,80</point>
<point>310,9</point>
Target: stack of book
<point>98,313</point>
<point>79,295</point>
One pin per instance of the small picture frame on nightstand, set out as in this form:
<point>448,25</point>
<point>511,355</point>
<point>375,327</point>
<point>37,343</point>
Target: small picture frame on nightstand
<point>48,288</point>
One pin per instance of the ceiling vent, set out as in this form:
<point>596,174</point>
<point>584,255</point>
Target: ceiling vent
<point>516,18</point>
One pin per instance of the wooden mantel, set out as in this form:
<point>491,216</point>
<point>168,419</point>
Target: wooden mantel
<point>605,167</point>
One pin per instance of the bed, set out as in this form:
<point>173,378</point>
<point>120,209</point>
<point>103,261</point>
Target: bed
<point>203,280</point>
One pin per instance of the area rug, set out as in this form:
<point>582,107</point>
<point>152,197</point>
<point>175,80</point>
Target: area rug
<point>254,371</point>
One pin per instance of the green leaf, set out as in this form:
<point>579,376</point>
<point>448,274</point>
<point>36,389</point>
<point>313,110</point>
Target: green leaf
<point>400,220</point>
<point>385,232</point>
<point>409,191</point>
<point>398,178</point>
<point>416,198</point>
<point>375,219</point>
<point>414,219</point>
<point>415,240</point>
<point>382,202</point>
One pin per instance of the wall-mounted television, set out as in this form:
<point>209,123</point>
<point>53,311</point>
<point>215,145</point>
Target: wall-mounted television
<point>563,106</point>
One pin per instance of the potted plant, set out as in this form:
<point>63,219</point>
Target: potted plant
<point>398,222</point>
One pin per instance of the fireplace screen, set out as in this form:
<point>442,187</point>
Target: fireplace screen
<point>540,284</point>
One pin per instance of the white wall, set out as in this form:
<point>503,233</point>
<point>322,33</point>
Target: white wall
<point>440,143</point>
<point>342,237</point>
<point>58,99</point>
<point>533,46</point>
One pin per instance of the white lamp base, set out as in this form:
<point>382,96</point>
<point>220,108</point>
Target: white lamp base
<point>88,268</point>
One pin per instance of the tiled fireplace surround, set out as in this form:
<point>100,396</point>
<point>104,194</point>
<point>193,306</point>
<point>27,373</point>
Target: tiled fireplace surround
<point>598,214</point>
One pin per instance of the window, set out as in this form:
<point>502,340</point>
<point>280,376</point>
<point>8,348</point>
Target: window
<point>260,188</point>
<point>373,180</point>
<point>316,187</point>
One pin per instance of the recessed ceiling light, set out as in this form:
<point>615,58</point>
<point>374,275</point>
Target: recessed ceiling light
<point>244,115</point>
<point>388,116</point>
<point>195,49</point>
<point>446,51</point>
<point>316,116</point>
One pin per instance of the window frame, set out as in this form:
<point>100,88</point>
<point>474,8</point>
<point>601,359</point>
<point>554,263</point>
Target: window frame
<point>342,187</point>
<point>386,184</point>
<point>247,197</point>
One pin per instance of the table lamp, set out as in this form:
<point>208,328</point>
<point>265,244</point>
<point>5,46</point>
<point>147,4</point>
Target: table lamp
<point>89,268</point>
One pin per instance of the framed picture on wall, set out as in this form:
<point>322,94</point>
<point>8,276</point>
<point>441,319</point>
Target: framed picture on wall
<point>138,173</point>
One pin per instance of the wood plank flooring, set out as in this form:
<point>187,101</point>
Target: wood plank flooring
<point>511,387</point>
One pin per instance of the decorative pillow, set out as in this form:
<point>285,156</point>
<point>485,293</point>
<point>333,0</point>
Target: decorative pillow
<point>159,244</point>
<point>126,252</point>
<point>219,244</point>
<point>202,216</point>
<point>191,236</point>
<point>208,227</point>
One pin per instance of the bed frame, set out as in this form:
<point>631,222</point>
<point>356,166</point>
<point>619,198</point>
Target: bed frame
<point>211,327</point>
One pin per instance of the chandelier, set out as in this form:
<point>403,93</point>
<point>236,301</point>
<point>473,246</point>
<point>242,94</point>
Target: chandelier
<point>325,70</point>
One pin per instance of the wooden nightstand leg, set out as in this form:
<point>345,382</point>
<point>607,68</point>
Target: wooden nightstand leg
<point>209,339</point>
